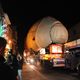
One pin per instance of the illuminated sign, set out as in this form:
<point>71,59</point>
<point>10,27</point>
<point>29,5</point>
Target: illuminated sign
<point>56,48</point>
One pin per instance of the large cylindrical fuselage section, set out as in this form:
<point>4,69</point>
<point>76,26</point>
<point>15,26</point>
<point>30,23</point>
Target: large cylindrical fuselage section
<point>46,31</point>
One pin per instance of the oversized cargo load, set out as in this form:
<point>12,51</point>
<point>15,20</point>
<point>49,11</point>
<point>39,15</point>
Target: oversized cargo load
<point>46,31</point>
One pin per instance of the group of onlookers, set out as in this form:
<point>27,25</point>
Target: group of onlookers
<point>12,68</point>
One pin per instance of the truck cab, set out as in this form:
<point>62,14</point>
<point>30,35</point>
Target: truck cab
<point>53,56</point>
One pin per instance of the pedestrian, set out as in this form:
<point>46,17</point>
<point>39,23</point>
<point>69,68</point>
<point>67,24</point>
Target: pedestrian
<point>15,65</point>
<point>6,72</point>
<point>20,63</point>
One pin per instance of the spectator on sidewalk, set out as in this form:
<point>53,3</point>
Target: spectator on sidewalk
<point>20,63</point>
<point>6,73</point>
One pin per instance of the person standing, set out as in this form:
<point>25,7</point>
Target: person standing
<point>15,65</point>
<point>20,63</point>
<point>6,73</point>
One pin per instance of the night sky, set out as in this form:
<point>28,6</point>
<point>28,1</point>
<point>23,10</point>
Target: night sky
<point>24,13</point>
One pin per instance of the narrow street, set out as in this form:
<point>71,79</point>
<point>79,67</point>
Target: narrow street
<point>31,72</point>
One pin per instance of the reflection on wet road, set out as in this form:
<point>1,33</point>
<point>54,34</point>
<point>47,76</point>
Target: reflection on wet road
<point>31,72</point>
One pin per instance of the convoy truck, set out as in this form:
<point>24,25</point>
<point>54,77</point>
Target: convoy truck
<point>52,56</point>
<point>48,35</point>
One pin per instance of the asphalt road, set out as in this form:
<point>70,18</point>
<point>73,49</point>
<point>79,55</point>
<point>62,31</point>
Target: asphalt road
<point>31,72</point>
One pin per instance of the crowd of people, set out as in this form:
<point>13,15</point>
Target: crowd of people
<point>12,68</point>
